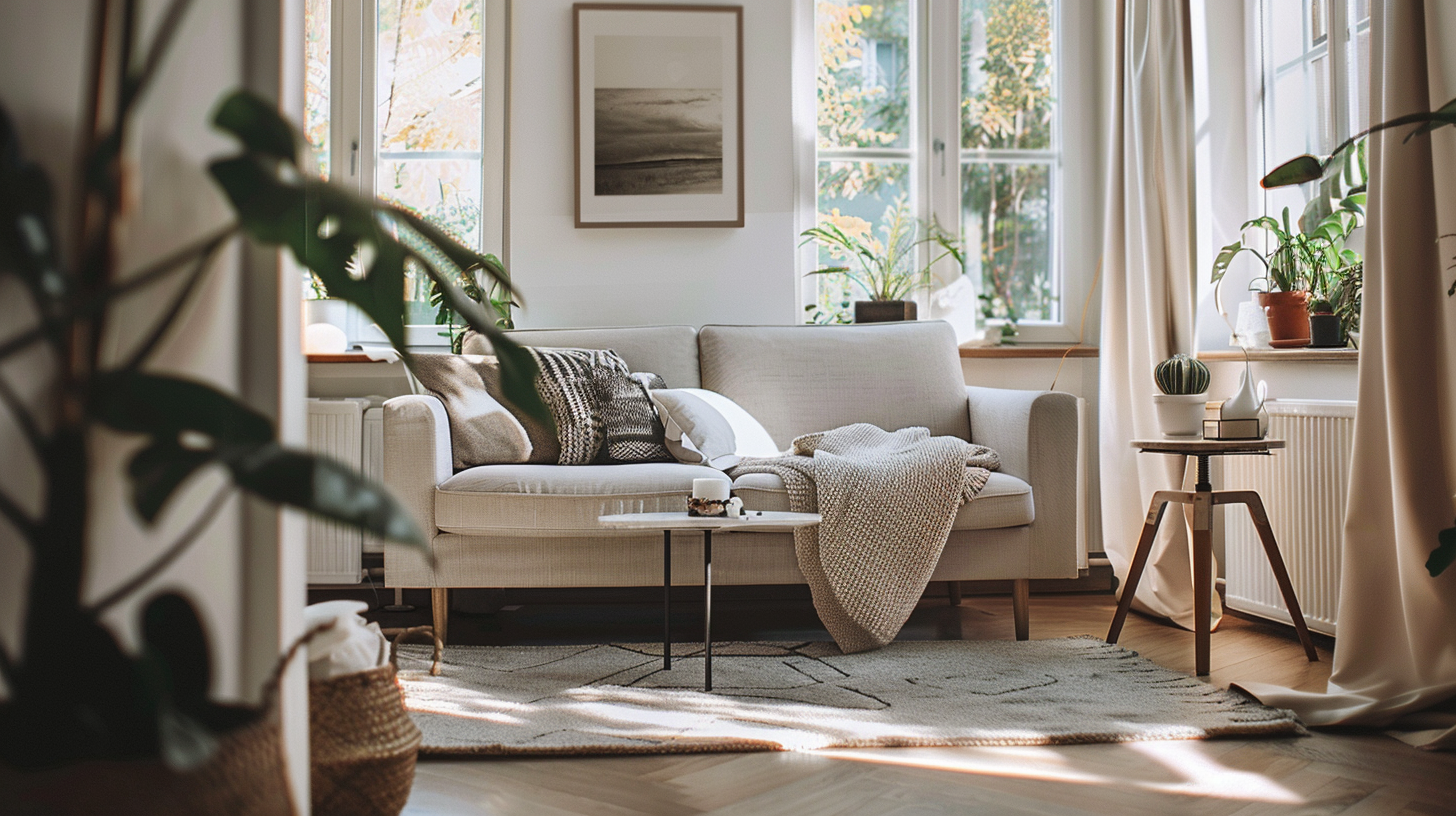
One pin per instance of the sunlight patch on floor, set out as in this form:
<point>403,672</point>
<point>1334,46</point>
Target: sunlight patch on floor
<point>1179,767</point>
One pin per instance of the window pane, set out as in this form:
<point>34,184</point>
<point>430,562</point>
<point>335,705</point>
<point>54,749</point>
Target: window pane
<point>1006,54</point>
<point>860,209</point>
<point>863,75</point>
<point>316,79</point>
<point>429,75</point>
<point>428,121</point>
<point>1007,214</point>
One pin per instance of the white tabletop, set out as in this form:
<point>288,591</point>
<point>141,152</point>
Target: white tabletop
<point>764,519</point>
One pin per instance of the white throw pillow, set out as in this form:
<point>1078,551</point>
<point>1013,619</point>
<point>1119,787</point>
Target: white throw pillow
<point>705,427</point>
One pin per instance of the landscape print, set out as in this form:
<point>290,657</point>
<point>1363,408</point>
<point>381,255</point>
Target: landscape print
<point>658,126</point>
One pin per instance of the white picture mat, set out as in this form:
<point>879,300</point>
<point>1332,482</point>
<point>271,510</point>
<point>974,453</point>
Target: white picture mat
<point>668,208</point>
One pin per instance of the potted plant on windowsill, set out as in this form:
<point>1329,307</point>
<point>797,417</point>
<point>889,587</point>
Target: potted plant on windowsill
<point>89,724</point>
<point>886,269</point>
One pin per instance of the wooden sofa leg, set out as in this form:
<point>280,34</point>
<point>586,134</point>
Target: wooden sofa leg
<point>1021,607</point>
<point>953,588</point>
<point>440,606</point>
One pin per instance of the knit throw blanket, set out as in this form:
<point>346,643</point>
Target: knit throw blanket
<point>888,500</point>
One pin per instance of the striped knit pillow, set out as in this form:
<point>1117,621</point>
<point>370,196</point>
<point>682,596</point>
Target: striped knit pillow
<point>565,385</point>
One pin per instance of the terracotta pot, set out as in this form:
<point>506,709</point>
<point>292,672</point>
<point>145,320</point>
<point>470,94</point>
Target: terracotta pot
<point>883,311</point>
<point>1288,314</point>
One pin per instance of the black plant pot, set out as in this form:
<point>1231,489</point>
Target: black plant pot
<point>1325,331</point>
<point>883,311</point>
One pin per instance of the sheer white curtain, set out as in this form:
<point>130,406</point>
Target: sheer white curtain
<point>1147,291</point>
<point>1395,656</point>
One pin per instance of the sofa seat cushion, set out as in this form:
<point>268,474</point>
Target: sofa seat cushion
<point>1004,502</point>
<point>546,500</point>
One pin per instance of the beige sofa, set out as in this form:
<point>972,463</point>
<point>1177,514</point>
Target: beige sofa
<point>535,525</point>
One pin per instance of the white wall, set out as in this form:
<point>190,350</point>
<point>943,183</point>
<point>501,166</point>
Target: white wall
<point>622,277</point>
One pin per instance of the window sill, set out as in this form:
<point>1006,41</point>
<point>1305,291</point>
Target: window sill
<point>1028,352</point>
<point>1296,355</point>
<point>348,357</point>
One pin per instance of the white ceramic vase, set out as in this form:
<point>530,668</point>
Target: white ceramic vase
<point>1180,415</point>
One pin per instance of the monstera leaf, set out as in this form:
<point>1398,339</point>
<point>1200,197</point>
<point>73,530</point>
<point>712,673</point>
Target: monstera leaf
<point>351,242</point>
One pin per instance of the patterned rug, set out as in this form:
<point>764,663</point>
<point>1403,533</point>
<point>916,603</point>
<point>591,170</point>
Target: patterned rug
<point>616,699</point>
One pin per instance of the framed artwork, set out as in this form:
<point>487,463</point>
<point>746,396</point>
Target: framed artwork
<point>659,115</point>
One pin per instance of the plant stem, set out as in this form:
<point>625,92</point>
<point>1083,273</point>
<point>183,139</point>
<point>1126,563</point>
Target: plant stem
<point>169,316</point>
<point>28,426</point>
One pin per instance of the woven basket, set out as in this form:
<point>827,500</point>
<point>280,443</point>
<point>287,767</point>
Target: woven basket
<point>245,777</point>
<point>362,744</point>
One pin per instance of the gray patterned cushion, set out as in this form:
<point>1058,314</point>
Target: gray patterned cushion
<point>631,430</point>
<point>565,384</point>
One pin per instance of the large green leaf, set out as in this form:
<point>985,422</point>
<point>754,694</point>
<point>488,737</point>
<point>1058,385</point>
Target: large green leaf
<point>1445,553</point>
<point>326,488</point>
<point>257,125</point>
<point>324,226</point>
<point>156,472</point>
<point>163,406</point>
<point>1298,170</point>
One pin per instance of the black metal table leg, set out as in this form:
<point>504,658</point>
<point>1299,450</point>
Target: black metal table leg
<point>666,599</point>
<point>707,610</point>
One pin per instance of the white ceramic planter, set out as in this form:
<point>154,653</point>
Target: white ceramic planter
<point>1180,415</point>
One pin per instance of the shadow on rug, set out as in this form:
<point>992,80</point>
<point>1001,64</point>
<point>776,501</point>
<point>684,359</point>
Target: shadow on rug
<point>616,699</point>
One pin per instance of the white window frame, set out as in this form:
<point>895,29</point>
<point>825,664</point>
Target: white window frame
<point>935,185</point>
<point>1338,80</point>
<point>353,143</point>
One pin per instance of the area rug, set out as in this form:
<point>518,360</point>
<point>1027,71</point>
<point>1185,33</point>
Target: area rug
<point>617,699</point>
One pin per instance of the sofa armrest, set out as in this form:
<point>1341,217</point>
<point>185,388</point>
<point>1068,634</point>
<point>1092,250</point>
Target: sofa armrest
<point>416,459</point>
<point>1035,432</point>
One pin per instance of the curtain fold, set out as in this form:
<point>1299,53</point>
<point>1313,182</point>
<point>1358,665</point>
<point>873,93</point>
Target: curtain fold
<point>1395,656</point>
<point>1147,291</point>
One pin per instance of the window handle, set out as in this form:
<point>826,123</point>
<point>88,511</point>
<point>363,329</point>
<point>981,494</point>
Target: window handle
<point>353,157</point>
<point>938,145</point>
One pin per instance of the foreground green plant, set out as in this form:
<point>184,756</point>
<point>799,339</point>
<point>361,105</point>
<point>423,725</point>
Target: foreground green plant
<point>74,693</point>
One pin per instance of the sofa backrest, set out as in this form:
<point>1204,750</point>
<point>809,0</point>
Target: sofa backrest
<point>801,379</point>
<point>668,351</point>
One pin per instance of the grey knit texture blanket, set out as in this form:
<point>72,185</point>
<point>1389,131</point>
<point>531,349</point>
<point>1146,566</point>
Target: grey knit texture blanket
<point>888,500</point>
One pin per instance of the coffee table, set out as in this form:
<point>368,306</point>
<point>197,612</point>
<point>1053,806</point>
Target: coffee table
<point>1201,501</point>
<point>762,521</point>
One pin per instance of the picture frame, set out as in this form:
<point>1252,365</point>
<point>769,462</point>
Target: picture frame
<point>659,115</point>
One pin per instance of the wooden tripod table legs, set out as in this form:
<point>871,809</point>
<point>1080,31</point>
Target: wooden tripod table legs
<point>1201,504</point>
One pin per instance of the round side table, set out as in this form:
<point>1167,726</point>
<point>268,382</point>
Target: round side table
<point>1203,498</point>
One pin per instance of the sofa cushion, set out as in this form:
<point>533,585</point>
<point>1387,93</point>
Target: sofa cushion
<point>708,428</point>
<point>565,383</point>
<point>548,500</point>
<point>482,430</point>
<point>1004,502</point>
<point>631,431</point>
<point>803,379</point>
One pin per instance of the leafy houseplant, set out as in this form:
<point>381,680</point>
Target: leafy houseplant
<point>75,694</point>
<point>1183,382</point>
<point>887,269</point>
<point>1306,168</point>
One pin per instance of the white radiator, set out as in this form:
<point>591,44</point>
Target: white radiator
<point>1304,488</point>
<point>336,429</point>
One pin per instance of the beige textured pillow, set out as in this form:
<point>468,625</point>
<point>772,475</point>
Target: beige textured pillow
<point>705,427</point>
<point>482,430</point>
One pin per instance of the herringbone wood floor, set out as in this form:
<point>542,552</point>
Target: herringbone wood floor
<point>1347,773</point>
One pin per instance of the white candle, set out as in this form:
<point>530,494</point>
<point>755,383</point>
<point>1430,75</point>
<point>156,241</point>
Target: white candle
<point>710,489</point>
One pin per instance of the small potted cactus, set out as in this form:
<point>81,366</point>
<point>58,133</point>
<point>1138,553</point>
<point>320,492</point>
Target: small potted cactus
<point>1184,385</point>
